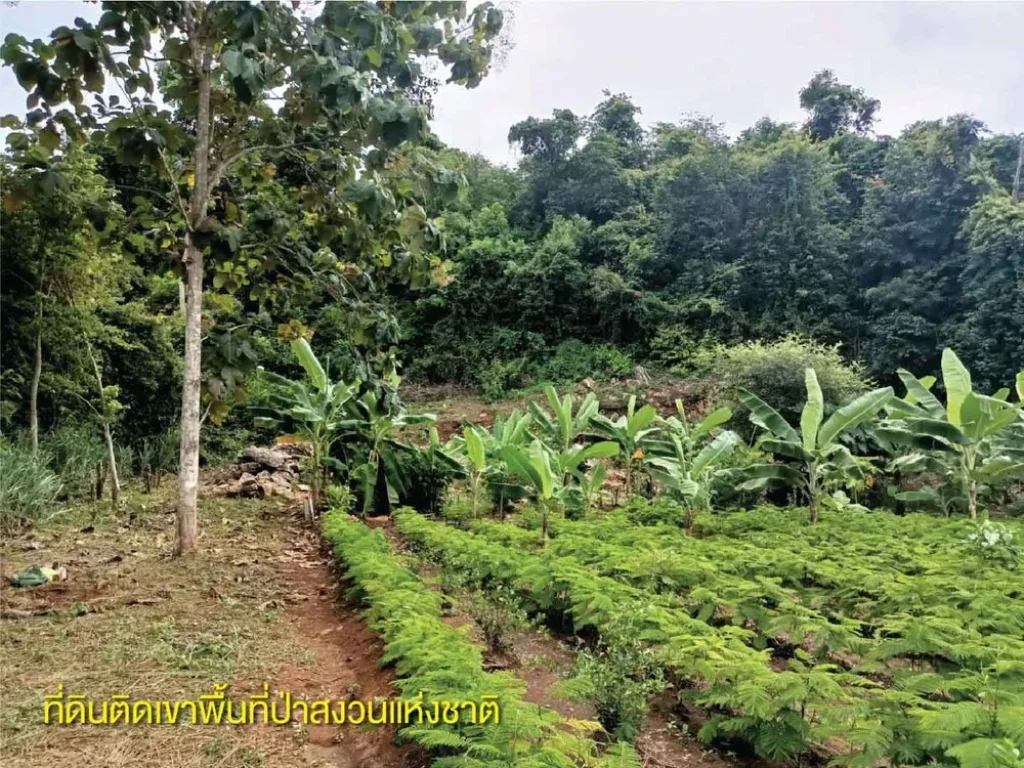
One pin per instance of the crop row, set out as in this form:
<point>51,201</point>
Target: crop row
<point>437,661</point>
<point>972,716</point>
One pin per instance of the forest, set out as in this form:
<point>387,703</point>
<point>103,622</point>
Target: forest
<point>684,448</point>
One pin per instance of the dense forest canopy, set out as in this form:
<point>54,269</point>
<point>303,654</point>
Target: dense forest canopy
<point>611,243</point>
<point>658,239</point>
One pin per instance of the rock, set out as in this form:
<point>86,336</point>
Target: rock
<point>275,458</point>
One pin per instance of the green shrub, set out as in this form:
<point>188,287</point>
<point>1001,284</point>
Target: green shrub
<point>774,371</point>
<point>676,347</point>
<point>424,478</point>
<point>339,497</point>
<point>619,677</point>
<point>498,614</point>
<point>75,453</point>
<point>28,489</point>
<point>574,360</point>
<point>500,378</point>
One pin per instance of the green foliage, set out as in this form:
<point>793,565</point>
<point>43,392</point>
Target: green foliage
<point>439,661</point>
<point>501,378</point>
<point>871,629</point>
<point>28,488</point>
<point>693,458</point>
<point>620,676</point>
<point>969,443</point>
<point>315,412</point>
<point>775,371</point>
<point>573,361</point>
<point>821,460</point>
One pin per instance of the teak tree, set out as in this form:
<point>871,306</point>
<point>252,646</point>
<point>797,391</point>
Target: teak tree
<point>238,82</point>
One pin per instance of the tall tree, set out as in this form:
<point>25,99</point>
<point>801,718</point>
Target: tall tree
<point>836,107</point>
<point>245,82</point>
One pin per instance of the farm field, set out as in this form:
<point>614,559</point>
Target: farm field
<point>862,639</point>
<point>439,385</point>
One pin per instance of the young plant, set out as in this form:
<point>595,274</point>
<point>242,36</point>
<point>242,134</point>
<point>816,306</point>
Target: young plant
<point>964,441</point>
<point>687,473</point>
<point>820,458</point>
<point>561,428</point>
<point>314,409</point>
<point>633,433</point>
<point>476,456</point>
<point>381,428</point>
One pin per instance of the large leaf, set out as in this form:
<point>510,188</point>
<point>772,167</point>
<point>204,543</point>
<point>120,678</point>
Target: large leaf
<point>1020,386</point>
<point>787,448</point>
<point>518,462</point>
<point>983,416</point>
<point>475,449</point>
<point>937,428</point>
<point>766,417</point>
<point>714,419</point>
<point>852,414</point>
<point>304,354</point>
<point>603,450</point>
<point>957,380</point>
<point>640,420</point>
<point>814,408</point>
<point>715,451</point>
<point>759,475</point>
<point>918,393</point>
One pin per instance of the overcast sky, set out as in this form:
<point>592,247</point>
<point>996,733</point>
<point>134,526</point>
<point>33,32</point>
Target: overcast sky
<point>732,61</point>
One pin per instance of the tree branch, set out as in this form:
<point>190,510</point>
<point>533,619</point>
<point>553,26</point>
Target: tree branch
<point>223,167</point>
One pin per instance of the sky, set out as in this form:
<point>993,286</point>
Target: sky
<point>732,61</point>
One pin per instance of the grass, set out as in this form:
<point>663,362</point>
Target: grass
<point>132,620</point>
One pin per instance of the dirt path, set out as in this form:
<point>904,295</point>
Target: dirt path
<point>257,604</point>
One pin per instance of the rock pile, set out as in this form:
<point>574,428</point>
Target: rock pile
<point>263,471</point>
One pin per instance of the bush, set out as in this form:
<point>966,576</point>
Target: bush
<point>500,378</point>
<point>498,614</point>
<point>425,479</point>
<point>75,453</point>
<point>774,371</point>
<point>619,677</point>
<point>340,498</point>
<point>574,360</point>
<point>28,489</point>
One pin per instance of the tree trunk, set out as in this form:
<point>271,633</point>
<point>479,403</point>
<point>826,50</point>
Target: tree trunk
<point>115,483</point>
<point>188,458</point>
<point>1020,168</point>
<point>37,373</point>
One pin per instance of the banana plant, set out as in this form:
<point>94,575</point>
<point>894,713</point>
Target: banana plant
<point>574,465</point>
<point>633,432</point>
<point>561,428</point>
<point>820,458</point>
<point>476,456</point>
<point>534,466</point>
<point>687,472</point>
<point>967,441</point>
<point>512,430</point>
<point>314,410</point>
<point>543,471</point>
<point>381,429</point>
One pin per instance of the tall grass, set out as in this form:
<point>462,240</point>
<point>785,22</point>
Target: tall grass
<point>28,488</point>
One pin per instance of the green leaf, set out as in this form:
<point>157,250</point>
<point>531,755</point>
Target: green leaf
<point>849,416</point>
<point>49,138</point>
<point>766,417</point>
<point>715,451</point>
<point>918,392</point>
<point>814,408</point>
<point>957,380</point>
<point>475,449</point>
<point>757,475</point>
<point>714,419</point>
<point>304,354</point>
